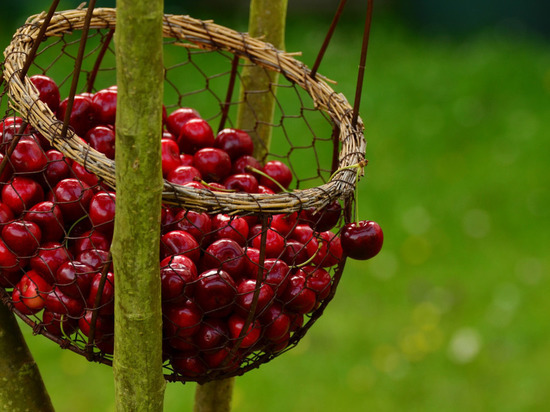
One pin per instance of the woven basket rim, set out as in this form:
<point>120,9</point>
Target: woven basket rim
<point>208,36</point>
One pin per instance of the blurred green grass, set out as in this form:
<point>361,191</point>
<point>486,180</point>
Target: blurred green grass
<point>452,315</point>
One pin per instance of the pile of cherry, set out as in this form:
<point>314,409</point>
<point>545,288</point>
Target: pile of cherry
<point>56,222</point>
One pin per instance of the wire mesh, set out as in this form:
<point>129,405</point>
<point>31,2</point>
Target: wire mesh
<point>250,254</point>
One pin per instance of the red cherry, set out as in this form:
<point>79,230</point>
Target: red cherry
<point>22,237</point>
<point>169,136</point>
<point>50,256</point>
<point>57,169</point>
<point>212,335</point>
<point>244,182</point>
<point>82,117</point>
<point>10,265</point>
<point>244,164</point>
<point>22,194</point>
<point>6,214</point>
<point>32,290</point>
<point>251,336</point>
<point>28,157</point>
<point>49,218</point>
<point>295,253</point>
<point>179,242</point>
<point>276,274</point>
<point>74,279</point>
<point>106,304</point>
<point>170,156</point>
<point>213,164</point>
<point>362,240</point>
<point>48,91</point>
<point>326,249</point>
<point>297,296</point>
<point>235,142</point>
<point>180,260</point>
<point>225,254</point>
<point>96,259</point>
<point>82,174</point>
<point>102,139</point>
<point>226,227</point>
<point>277,171</point>
<point>194,135</point>
<point>188,365</point>
<point>265,190</point>
<point>73,198</point>
<point>245,297</point>
<point>104,325</point>
<point>177,282</point>
<point>276,323</point>
<point>90,240</point>
<point>302,233</point>
<point>252,262</point>
<point>176,119</point>
<point>102,212</point>
<point>196,224</point>
<point>186,159</point>
<point>58,302</point>
<point>104,106</point>
<point>274,244</point>
<point>284,223</point>
<point>182,321</point>
<point>7,173</point>
<point>184,174</point>
<point>215,293</point>
<point>318,280</point>
<point>324,219</point>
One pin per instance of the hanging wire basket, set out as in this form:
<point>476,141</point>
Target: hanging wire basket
<point>62,284</point>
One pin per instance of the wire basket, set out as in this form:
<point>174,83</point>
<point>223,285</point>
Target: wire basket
<point>276,293</point>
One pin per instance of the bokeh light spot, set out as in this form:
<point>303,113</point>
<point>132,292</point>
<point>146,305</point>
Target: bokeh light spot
<point>465,345</point>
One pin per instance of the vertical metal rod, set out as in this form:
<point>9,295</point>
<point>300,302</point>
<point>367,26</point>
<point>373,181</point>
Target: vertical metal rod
<point>36,44</point>
<point>327,38</point>
<point>229,95</point>
<point>93,74</point>
<point>77,67</point>
<point>362,61</point>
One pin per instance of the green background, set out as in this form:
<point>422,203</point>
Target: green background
<point>453,313</point>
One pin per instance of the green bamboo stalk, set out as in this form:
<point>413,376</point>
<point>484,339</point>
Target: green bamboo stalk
<point>137,364</point>
<point>21,388</point>
<point>267,21</point>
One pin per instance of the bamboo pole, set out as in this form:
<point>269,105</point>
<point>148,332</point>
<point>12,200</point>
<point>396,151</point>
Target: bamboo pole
<point>22,388</point>
<point>267,21</point>
<point>137,364</point>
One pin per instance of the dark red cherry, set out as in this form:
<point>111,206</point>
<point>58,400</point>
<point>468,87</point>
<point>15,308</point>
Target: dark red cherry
<point>48,91</point>
<point>234,142</point>
<point>194,135</point>
<point>362,240</point>
<point>104,106</point>
<point>102,139</point>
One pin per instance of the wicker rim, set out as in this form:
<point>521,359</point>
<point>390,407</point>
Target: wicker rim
<point>208,36</point>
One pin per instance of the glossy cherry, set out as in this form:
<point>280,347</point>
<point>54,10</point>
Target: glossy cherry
<point>48,90</point>
<point>214,164</point>
<point>278,171</point>
<point>102,139</point>
<point>47,215</point>
<point>215,293</point>
<point>21,194</point>
<point>104,106</point>
<point>362,240</point>
<point>234,142</point>
<point>194,135</point>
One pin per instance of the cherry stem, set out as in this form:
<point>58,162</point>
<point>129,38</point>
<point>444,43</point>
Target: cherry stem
<point>253,169</point>
<point>359,166</point>
<point>307,262</point>
<point>215,189</point>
